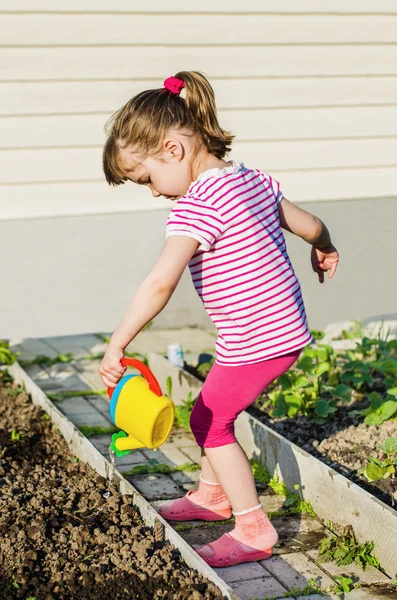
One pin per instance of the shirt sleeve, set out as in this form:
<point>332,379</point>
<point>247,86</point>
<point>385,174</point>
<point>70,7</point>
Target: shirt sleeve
<point>197,219</point>
<point>278,195</point>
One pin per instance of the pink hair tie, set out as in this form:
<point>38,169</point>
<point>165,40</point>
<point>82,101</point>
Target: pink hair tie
<point>174,85</point>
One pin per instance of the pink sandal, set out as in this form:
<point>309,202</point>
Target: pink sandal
<point>227,551</point>
<point>184,509</point>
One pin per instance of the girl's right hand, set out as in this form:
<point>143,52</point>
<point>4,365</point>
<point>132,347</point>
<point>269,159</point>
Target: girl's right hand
<point>111,369</point>
<point>323,260</point>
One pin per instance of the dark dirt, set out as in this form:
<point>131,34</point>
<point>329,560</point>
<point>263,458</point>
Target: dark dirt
<point>59,538</point>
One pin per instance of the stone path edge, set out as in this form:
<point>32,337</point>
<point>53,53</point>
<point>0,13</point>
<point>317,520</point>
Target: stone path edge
<point>333,496</point>
<point>86,451</point>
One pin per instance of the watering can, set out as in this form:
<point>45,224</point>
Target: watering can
<point>138,407</point>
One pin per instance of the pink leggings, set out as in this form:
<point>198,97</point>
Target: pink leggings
<point>227,391</point>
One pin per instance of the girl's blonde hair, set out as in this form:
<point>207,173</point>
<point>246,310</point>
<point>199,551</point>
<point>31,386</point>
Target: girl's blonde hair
<point>146,119</point>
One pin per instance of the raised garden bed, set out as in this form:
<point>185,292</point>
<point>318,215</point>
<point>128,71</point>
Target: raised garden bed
<point>60,537</point>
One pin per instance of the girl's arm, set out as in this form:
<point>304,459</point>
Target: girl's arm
<point>149,299</point>
<point>324,255</point>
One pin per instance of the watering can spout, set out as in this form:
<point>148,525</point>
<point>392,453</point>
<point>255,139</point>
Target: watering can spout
<point>122,442</point>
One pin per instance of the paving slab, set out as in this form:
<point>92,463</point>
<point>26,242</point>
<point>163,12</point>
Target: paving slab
<point>67,376</point>
<point>88,370</point>
<point>193,453</point>
<point>90,419</point>
<point>271,502</point>
<point>102,443</point>
<point>242,572</point>
<point>155,486</point>
<point>188,480</point>
<point>175,455</point>
<point>171,456</point>
<point>256,589</point>
<point>297,533</point>
<point>100,404</point>
<point>197,536</point>
<point>295,570</point>
<point>180,439</point>
<point>367,577</point>
<point>77,345</point>
<point>29,348</point>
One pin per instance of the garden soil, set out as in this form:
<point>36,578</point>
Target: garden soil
<point>59,537</point>
<point>344,443</point>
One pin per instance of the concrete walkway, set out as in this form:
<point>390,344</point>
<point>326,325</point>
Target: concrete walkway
<point>293,565</point>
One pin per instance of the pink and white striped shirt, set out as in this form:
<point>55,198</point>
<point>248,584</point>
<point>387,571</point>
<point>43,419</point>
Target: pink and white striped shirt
<point>241,269</point>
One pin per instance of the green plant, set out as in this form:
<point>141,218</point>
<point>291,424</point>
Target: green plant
<point>155,467</point>
<point>183,412</point>
<point>15,436</point>
<point>355,332</point>
<point>6,356</point>
<point>311,388</point>
<point>64,395</point>
<point>344,585</point>
<point>205,367</point>
<point>15,391</point>
<point>382,469</point>
<point>380,409</point>
<point>168,385</point>
<point>293,503</point>
<point>345,550</point>
<point>102,337</point>
<point>93,430</point>
<point>47,361</point>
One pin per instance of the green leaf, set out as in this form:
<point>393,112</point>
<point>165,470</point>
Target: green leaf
<point>321,369</point>
<point>374,418</point>
<point>388,365</point>
<point>324,408</point>
<point>342,392</point>
<point>168,385</point>
<point>388,409</point>
<point>389,445</point>
<point>280,408</point>
<point>373,472</point>
<point>301,382</point>
<point>294,404</point>
<point>376,400</point>
<point>305,364</point>
<point>392,391</point>
<point>284,381</point>
<point>375,461</point>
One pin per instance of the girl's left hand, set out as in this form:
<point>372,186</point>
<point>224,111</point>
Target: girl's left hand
<point>324,259</point>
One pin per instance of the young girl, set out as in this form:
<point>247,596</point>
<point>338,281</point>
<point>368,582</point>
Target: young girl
<point>226,226</point>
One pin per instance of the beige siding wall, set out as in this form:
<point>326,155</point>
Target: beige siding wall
<point>308,87</point>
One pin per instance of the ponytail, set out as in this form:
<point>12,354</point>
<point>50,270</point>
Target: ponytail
<point>200,103</point>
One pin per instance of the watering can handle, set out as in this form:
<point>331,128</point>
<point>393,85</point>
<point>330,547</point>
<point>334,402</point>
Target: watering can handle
<point>154,385</point>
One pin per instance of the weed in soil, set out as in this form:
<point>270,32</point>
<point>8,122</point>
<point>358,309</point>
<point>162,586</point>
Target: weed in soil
<point>60,538</point>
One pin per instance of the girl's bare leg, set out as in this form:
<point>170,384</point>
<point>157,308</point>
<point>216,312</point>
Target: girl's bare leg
<point>232,469</point>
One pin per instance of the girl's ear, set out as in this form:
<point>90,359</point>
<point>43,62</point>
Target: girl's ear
<point>173,149</point>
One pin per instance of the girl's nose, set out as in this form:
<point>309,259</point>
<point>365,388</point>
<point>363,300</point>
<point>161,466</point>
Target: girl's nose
<point>155,193</point>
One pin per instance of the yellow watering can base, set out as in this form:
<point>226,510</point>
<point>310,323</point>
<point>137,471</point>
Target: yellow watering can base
<point>139,408</point>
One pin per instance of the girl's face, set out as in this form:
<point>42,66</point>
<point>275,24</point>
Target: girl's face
<point>167,174</point>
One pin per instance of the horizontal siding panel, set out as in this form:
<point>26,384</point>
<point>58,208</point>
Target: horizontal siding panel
<point>137,62</point>
<point>107,96</point>
<point>282,124</point>
<point>21,202</point>
<point>282,6</point>
<point>86,164</point>
<point>82,30</point>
